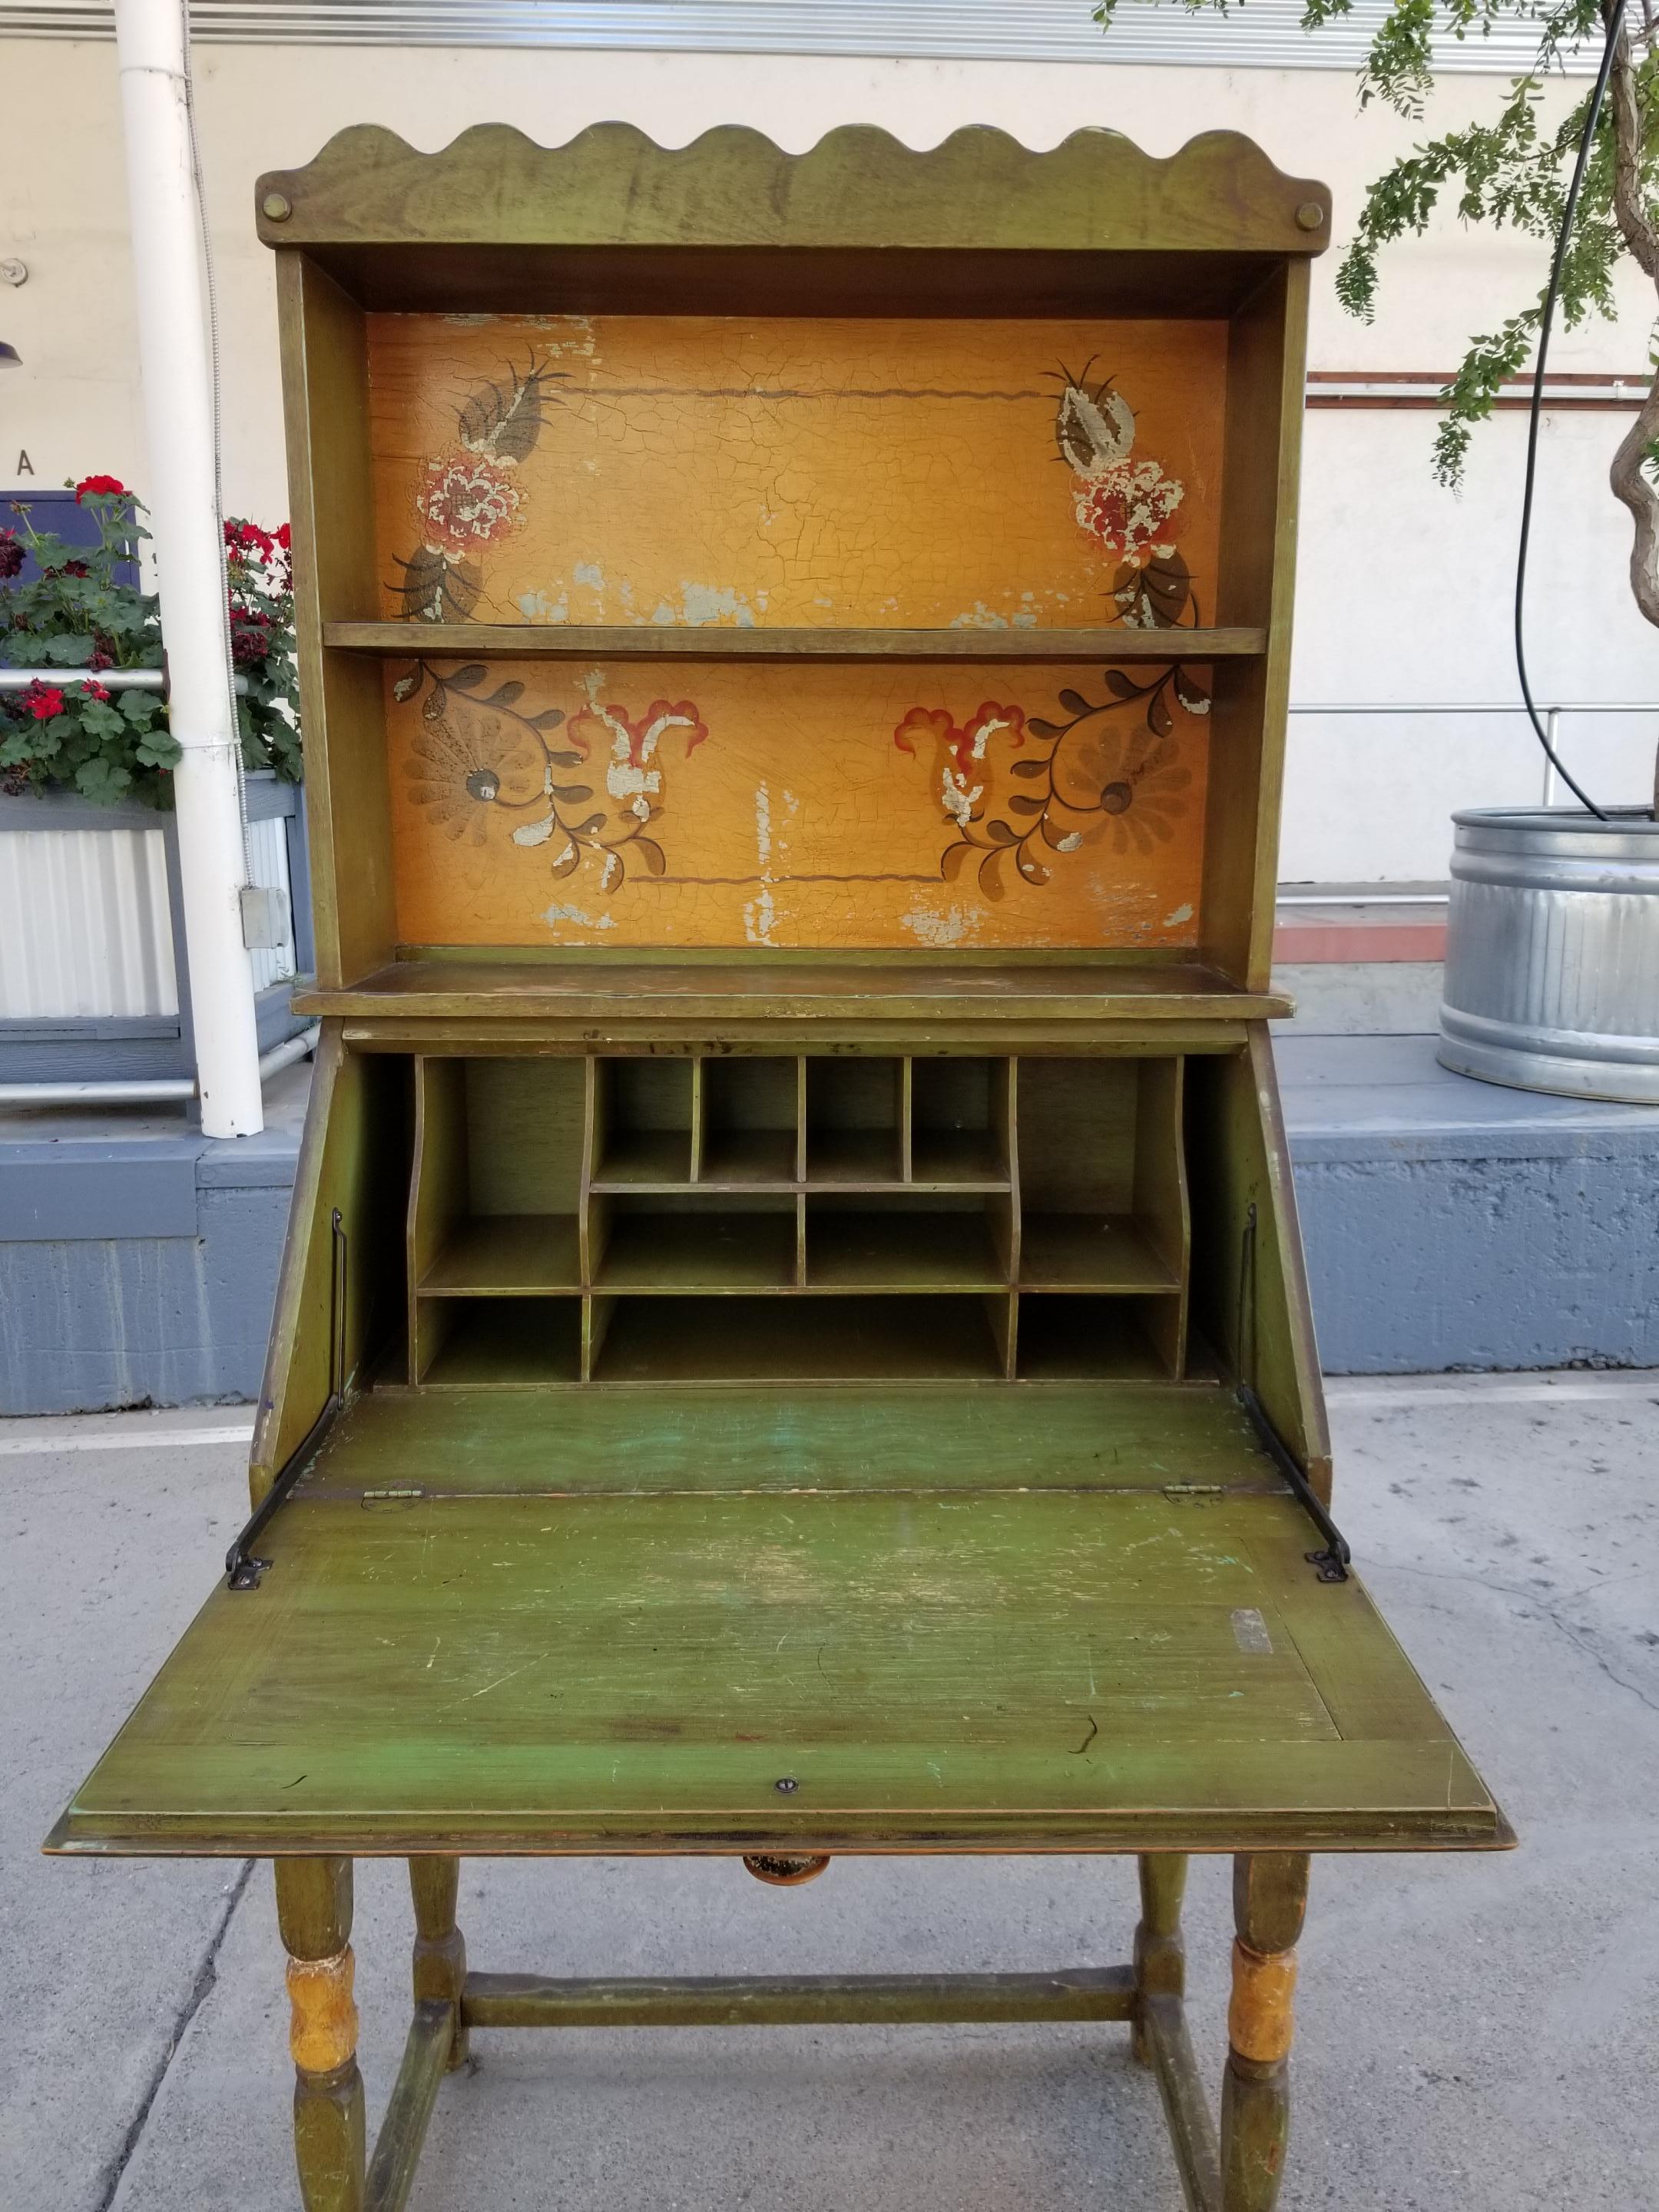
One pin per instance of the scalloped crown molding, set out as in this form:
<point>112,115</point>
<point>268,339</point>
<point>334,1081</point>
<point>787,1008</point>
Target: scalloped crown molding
<point>858,187</point>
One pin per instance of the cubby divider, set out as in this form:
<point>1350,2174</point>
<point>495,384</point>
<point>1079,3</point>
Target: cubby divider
<point>797,1215</point>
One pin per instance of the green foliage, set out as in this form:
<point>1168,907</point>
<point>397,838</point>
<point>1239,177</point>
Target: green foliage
<point>110,743</point>
<point>1509,171</point>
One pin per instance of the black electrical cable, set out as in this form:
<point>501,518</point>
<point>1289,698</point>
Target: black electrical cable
<point>1615,25</point>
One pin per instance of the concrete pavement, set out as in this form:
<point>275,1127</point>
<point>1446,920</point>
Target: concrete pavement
<point>1474,2033</point>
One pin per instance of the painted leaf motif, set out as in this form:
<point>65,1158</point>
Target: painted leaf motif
<point>1001,832</point>
<point>566,861</point>
<point>1027,767</point>
<point>1120,685</point>
<point>506,695</point>
<point>566,759</point>
<point>950,861</point>
<point>463,679</point>
<point>992,880</point>
<point>1193,695</point>
<point>435,588</point>
<point>506,419</point>
<point>1038,729</point>
<point>1033,870</point>
<point>406,686</point>
<point>570,794</point>
<point>650,853</point>
<point>1158,716</point>
<point>1167,584</point>
<point>1075,704</point>
<point>549,718</point>
<point>535,833</point>
<point>1020,805</point>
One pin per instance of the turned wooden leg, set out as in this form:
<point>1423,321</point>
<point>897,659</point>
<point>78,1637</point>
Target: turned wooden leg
<point>313,1910</point>
<point>1160,1956</point>
<point>1270,1895</point>
<point>440,1947</point>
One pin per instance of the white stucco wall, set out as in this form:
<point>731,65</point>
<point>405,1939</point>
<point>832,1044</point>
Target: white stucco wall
<point>1404,591</point>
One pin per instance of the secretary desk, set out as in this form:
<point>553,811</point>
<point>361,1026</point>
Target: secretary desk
<point>793,1338</point>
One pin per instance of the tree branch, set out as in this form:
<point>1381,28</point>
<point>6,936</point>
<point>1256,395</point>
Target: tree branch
<point>1635,224</point>
<point>1633,485</point>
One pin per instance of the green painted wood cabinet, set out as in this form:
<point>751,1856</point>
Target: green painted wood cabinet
<point>793,1338</point>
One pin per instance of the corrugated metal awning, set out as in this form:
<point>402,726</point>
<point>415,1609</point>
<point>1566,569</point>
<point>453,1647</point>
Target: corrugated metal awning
<point>1264,34</point>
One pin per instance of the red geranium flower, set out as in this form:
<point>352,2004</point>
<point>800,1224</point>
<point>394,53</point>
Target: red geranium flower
<point>95,692</point>
<point>250,636</point>
<point>97,484</point>
<point>43,701</point>
<point>11,554</point>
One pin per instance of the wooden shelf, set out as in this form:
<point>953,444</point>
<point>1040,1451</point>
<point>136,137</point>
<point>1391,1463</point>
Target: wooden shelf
<point>853,1159</point>
<point>955,1159</point>
<point>799,1340</point>
<point>898,1251</point>
<point>673,642</point>
<point>504,1254</point>
<point>1091,1252</point>
<point>748,1159</point>
<point>501,1342</point>
<point>708,1254</point>
<point>623,997</point>
<point>644,1159</point>
<point>1076,1339</point>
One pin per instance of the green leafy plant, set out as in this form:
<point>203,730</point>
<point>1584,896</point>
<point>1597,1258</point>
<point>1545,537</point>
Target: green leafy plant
<point>108,742</point>
<point>1512,170</point>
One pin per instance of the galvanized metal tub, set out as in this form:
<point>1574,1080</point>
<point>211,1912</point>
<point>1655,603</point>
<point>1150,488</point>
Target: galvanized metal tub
<point>1552,952</point>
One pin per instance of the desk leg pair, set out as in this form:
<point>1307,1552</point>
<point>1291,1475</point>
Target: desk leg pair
<point>1238,2174</point>
<point>313,1910</point>
<point>1270,1897</point>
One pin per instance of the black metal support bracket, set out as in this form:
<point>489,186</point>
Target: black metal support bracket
<point>1335,1560</point>
<point>1331,1562</point>
<point>243,1565</point>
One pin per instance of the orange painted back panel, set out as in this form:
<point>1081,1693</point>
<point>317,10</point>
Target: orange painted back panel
<point>809,473</point>
<point>819,805</point>
<point>632,469</point>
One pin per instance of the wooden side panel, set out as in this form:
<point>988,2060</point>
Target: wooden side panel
<point>355,1156</point>
<point>1265,369</point>
<point>1237,1157</point>
<point>326,401</point>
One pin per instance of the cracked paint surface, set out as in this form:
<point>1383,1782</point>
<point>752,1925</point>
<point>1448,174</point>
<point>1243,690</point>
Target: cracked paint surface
<point>804,471</point>
<point>736,472</point>
<point>814,806</point>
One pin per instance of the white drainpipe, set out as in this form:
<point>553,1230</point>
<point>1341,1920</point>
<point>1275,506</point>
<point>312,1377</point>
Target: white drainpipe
<point>172,351</point>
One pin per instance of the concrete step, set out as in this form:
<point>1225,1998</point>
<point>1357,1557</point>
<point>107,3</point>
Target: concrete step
<point>1361,959</point>
<point>1450,1224</point>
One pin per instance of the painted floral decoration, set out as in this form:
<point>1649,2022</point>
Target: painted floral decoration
<point>961,761</point>
<point>465,500</point>
<point>1082,782</point>
<point>467,759</point>
<point>589,796</point>
<point>1127,508</point>
<point>471,496</point>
